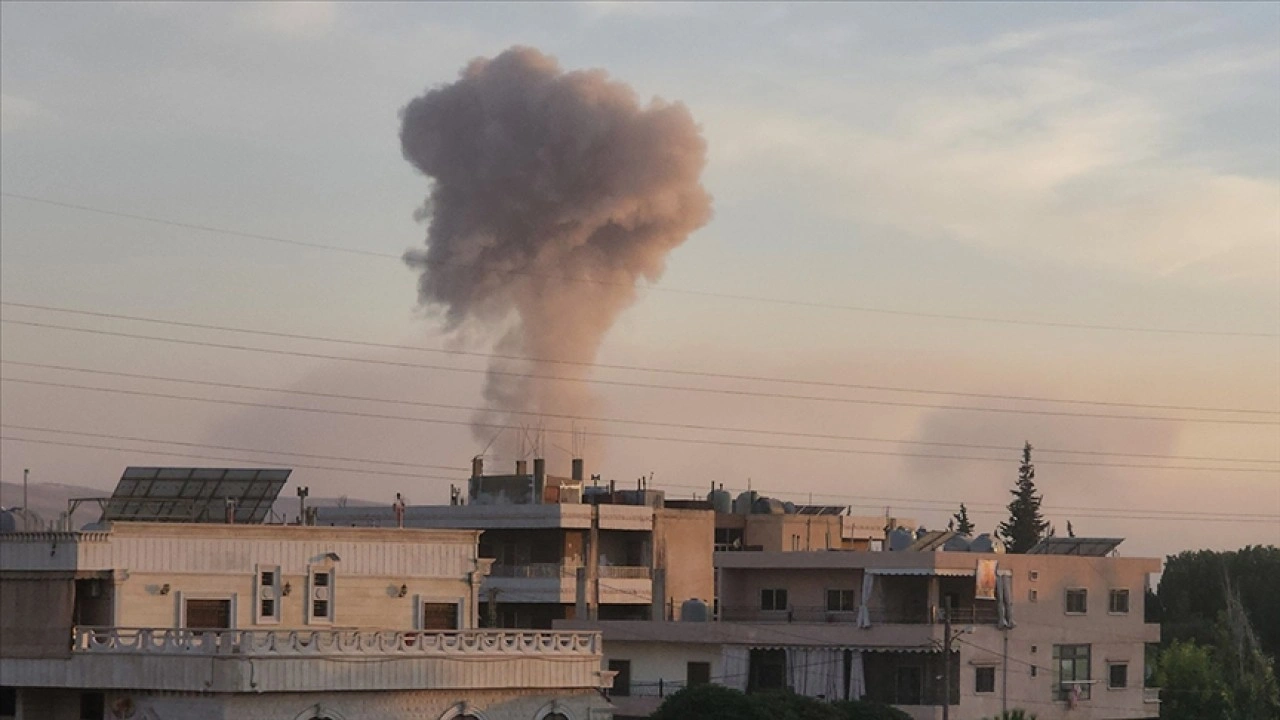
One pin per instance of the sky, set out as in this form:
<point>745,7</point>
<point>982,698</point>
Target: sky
<point>1055,171</point>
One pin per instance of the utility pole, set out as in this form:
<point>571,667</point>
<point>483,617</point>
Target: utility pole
<point>26,512</point>
<point>946,663</point>
<point>1004,676</point>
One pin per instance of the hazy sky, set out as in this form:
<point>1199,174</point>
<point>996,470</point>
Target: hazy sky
<point>1097,164</point>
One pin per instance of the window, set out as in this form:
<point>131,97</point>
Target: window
<point>984,679</point>
<point>1077,601</point>
<point>1034,575</point>
<point>773,599</point>
<point>840,601</point>
<point>1119,602</point>
<point>697,673</point>
<point>268,594</point>
<point>621,681</point>
<point>1072,665</point>
<point>207,614</point>
<point>321,600</point>
<point>1033,595</point>
<point>8,702</point>
<point>439,616</point>
<point>92,706</point>
<point>1118,676</point>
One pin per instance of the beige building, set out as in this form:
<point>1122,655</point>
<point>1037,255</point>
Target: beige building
<point>1056,633</point>
<point>561,550</point>
<point>194,621</point>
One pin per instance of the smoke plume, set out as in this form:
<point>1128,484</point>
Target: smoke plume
<point>553,193</point>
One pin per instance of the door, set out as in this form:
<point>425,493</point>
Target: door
<point>909,682</point>
<point>208,614</point>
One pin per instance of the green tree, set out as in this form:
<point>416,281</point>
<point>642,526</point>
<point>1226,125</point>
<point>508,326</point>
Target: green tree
<point>1026,526</point>
<point>962,523</point>
<point>1014,715</point>
<point>709,702</point>
<point>786,705</point>
<point>1192,684</point>
<point>1249,673</point>
<point>1071,531</point>
<point>1192,595</point>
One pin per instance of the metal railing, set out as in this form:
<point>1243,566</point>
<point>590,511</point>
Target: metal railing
<point>625,572</point>
<point>878,615</point>
<point>302,643</point>
<point>535,570</point>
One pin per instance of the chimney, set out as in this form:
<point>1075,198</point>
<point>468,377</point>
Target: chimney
<point>477,466</point>
<point>576,475</point>
<point>522,467</point>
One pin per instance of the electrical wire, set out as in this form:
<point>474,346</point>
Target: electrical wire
<point>682,440</point>
<point>632,368</point>
<point>651,288</point>
<point>580,418</point>
<point>648,386</point>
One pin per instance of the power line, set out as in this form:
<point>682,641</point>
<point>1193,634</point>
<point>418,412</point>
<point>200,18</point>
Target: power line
<point>636,368</point>
<point>694,441</point>
<point>231,448</point>
<point>681,426</point>
<point>247,461</point>
<point>651,288</point>
<point>648,386</point>
<point>1090,512</point>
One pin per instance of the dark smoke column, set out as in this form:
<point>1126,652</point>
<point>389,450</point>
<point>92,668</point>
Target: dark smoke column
<point>553,194</point>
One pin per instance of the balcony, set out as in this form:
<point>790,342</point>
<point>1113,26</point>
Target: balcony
<point>1150,695</point>
<point>313,660</point>
<point>879,616</point>
<point>557,583</point>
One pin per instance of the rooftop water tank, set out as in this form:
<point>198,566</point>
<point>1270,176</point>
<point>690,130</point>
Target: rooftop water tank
<point>693,611</point>
<point>956,543</point>
<point>900,539</point>
<point>721,501</point>
<point>742,506</point>
<point>8,522</point>
<point>768,506</point>
<point>985,543</point>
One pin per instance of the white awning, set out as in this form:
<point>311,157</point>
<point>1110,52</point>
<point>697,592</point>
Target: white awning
<point>946,572</point>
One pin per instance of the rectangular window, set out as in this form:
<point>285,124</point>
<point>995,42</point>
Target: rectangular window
<point>1071,663</point>
<point>984,679</point>
<point>268,594</point>
<point>697,673</point>
<point>621,681</point>
<point>1077,601</point>
<point>1118,676</point>
<point>1033,595</point>
<point>840,601</point>
<point>321,601</point>
<point>773,599</point>
<point>1119,602</point>
<point>207,614</point>
<point>1034,575</point>
<point>92,706</point>
<point>439,616</point>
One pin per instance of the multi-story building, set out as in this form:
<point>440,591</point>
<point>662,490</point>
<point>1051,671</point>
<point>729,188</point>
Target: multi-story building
<point>197,621</point>
<point>562,549</point>
<point>752,522</point>
<point>1059,632</point>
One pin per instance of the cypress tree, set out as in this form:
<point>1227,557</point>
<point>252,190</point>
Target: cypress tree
<point>962,523</point>
<point>1026,526</point>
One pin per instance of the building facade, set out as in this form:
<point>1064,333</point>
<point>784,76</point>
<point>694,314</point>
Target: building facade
<point>194,621</point>
<point>1058,635</point>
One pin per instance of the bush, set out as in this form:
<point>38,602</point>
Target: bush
<point>864,710</point>
<point>709,702</point>
<point>1013,715</point>
<point>787,705</point>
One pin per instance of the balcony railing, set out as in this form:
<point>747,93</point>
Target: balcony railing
<point>303,643</point>
<point>879,615</point>
<point>557,570</point>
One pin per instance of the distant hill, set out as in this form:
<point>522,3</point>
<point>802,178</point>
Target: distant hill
<point>48,502</point>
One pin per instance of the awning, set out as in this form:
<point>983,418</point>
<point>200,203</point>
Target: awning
<point>945,572</point>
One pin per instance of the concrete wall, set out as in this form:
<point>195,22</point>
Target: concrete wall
<point>683,543</point>
<point>40,704</point>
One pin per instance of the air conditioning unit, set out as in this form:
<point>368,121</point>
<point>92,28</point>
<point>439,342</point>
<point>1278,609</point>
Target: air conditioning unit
<point>320,593</point>
<point>267,593</point>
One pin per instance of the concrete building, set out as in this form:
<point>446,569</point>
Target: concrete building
<point>562,549</point>
<point>752,522</point>
<point>217,621</point>
<point>1056,633</point>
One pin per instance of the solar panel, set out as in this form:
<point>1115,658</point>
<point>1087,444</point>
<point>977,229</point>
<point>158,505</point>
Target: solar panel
<point>172,494</point>
<point>821,509</point>
<point>1088,547</point>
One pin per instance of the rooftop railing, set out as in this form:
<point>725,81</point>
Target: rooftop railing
<point>878,615</point>
<point>558,570</point>
<point>303,643</point>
